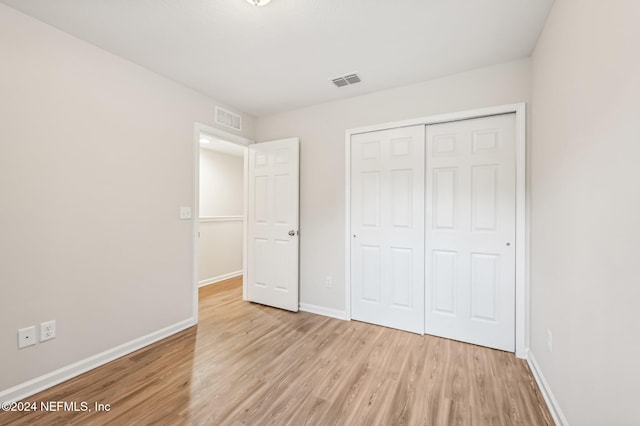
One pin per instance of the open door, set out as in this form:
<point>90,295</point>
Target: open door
<point>272,272</point>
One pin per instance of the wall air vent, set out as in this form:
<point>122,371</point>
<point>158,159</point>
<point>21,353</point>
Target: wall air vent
<point>346,80</point>
<point>228,119</point>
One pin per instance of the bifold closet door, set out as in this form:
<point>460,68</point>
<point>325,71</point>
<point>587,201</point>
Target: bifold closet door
<point>387,226</point>
<point>470,231</point>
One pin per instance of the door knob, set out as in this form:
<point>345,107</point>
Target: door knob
<point>292,233</point>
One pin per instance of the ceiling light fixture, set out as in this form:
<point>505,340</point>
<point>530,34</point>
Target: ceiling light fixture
<point>258,2</point>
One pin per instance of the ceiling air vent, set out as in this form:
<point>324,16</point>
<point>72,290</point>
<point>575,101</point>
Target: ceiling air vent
<point>228,119</point>
<point>340,81</point>
<point>346,80</point>
<point>352,78</point>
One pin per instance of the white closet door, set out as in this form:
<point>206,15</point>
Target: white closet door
<point>470,231</point>
<point>387,223</point>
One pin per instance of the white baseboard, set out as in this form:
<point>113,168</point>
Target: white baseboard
<point>31,387</point>
<point>552,403</point>
<point>219,278</point>
<point>321,310</point>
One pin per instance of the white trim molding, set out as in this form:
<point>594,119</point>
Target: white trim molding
<point>205,219</point>
<point>219,278</point>
<point>552,403</point>
<point>31,387</point>
<point>220,134</point>
<point>321,310</point>
<point>522,240</point>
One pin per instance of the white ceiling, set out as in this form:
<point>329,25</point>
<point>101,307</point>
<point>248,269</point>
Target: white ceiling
<point>282,56</point>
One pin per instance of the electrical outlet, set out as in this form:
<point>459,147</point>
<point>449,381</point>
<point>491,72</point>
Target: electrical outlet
<point>328,282</point>
<point>47,330</point>
<point>26,337</point>
<point>549,341</point>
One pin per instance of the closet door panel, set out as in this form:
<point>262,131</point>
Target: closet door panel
<point>470,231</point>
<point>387,223</point>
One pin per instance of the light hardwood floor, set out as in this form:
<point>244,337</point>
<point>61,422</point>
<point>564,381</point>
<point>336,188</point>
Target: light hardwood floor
<point>247,364</point>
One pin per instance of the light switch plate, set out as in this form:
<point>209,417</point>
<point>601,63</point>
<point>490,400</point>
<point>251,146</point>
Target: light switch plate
<point>185,212</point>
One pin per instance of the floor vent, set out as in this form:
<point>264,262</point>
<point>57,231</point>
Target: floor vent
<point>346,80</point>
<point>228,119</point>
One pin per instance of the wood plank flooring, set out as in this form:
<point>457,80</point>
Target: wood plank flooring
<point>247,364</point>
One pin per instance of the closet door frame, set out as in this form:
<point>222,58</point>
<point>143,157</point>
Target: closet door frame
<point>522,226</point>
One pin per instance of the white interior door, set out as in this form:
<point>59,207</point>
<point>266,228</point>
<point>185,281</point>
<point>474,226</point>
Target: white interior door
<point>272,255</point>
<point>387,223</point>
<point>470,231</point>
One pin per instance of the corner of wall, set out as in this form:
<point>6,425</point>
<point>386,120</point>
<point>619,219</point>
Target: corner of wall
<point>545,389</point>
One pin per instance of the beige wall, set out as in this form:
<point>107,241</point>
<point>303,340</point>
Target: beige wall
<point>221,194</point>
<point>321,130</point>
<point>585,207</point>
<point>221,184</point>
<point>96,157</point>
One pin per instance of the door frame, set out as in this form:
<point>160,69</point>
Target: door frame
<point>522,225</point>
<point>199,128</point>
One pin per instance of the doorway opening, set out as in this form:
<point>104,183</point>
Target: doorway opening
<point>219,226</point>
